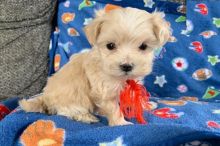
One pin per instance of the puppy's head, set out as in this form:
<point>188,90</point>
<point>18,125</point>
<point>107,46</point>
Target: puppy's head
<point>126,38</point>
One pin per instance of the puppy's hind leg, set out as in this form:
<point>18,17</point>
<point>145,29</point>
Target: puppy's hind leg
<point>35,104</point>
<point>77,113</point>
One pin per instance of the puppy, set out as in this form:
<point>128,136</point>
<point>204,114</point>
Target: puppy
<point>123,43</point>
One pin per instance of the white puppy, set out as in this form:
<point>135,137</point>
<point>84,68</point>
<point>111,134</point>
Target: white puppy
<point>123,43</point>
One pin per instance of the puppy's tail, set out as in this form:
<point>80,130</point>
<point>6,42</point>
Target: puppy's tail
<point>34,104</point>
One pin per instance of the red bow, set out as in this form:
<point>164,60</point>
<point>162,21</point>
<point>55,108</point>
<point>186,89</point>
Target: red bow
<point>133,99</point>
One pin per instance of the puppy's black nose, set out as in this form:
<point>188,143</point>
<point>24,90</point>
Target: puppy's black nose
<point>126,67</point>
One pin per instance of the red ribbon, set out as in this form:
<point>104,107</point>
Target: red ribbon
<point>133,100</point>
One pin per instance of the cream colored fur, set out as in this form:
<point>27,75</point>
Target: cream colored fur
<point>91,81</point>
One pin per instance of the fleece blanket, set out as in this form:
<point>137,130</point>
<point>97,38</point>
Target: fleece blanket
<point>188,116</point>
<point>174,122</point>
<point>193,59</point>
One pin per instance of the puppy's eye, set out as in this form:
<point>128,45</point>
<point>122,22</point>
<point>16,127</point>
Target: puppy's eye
<point>143,46</point>
<point>111,46</point>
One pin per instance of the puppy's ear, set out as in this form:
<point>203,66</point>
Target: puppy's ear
<point>161,28</point>
<point>93,29</point>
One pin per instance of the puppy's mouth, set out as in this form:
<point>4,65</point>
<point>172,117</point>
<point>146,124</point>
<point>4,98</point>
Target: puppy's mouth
<point>123,76</point>
<point>128,75</point>
<point>132,75</point>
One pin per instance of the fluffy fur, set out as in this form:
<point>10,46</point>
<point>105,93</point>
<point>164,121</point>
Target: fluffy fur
<point>91,81</point>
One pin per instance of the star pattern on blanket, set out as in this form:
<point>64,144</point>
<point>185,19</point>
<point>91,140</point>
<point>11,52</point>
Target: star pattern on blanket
<point>160,80</point>
<point>216,22</point>
<point>87,21</point>
<point>149,3</point>
<point>66,46</point>
<point>188,89</point>
<point>213,59</point>
<point>185,55</point>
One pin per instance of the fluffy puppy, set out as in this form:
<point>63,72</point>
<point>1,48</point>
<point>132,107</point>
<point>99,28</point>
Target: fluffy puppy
<point>123,43</point>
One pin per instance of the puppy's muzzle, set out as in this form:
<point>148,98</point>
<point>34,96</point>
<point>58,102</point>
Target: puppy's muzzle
<point>126,67</point>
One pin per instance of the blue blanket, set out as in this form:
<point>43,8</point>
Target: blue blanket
<point>172,123</point>
<point>184,84</point>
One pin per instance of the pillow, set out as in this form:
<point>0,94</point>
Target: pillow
<point>25,28</point>
<point>181,69</point>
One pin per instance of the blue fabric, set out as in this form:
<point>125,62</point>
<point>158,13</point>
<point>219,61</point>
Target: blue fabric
<point>196,76</point>
<point>187,103</point>
<point>192,56</point>
<point>182,123</point>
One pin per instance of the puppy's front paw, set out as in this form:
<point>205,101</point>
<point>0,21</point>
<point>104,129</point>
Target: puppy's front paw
<point>120,123</point>
<point>92,119</point>
<point>87,118</point>
<point>126,123</point>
